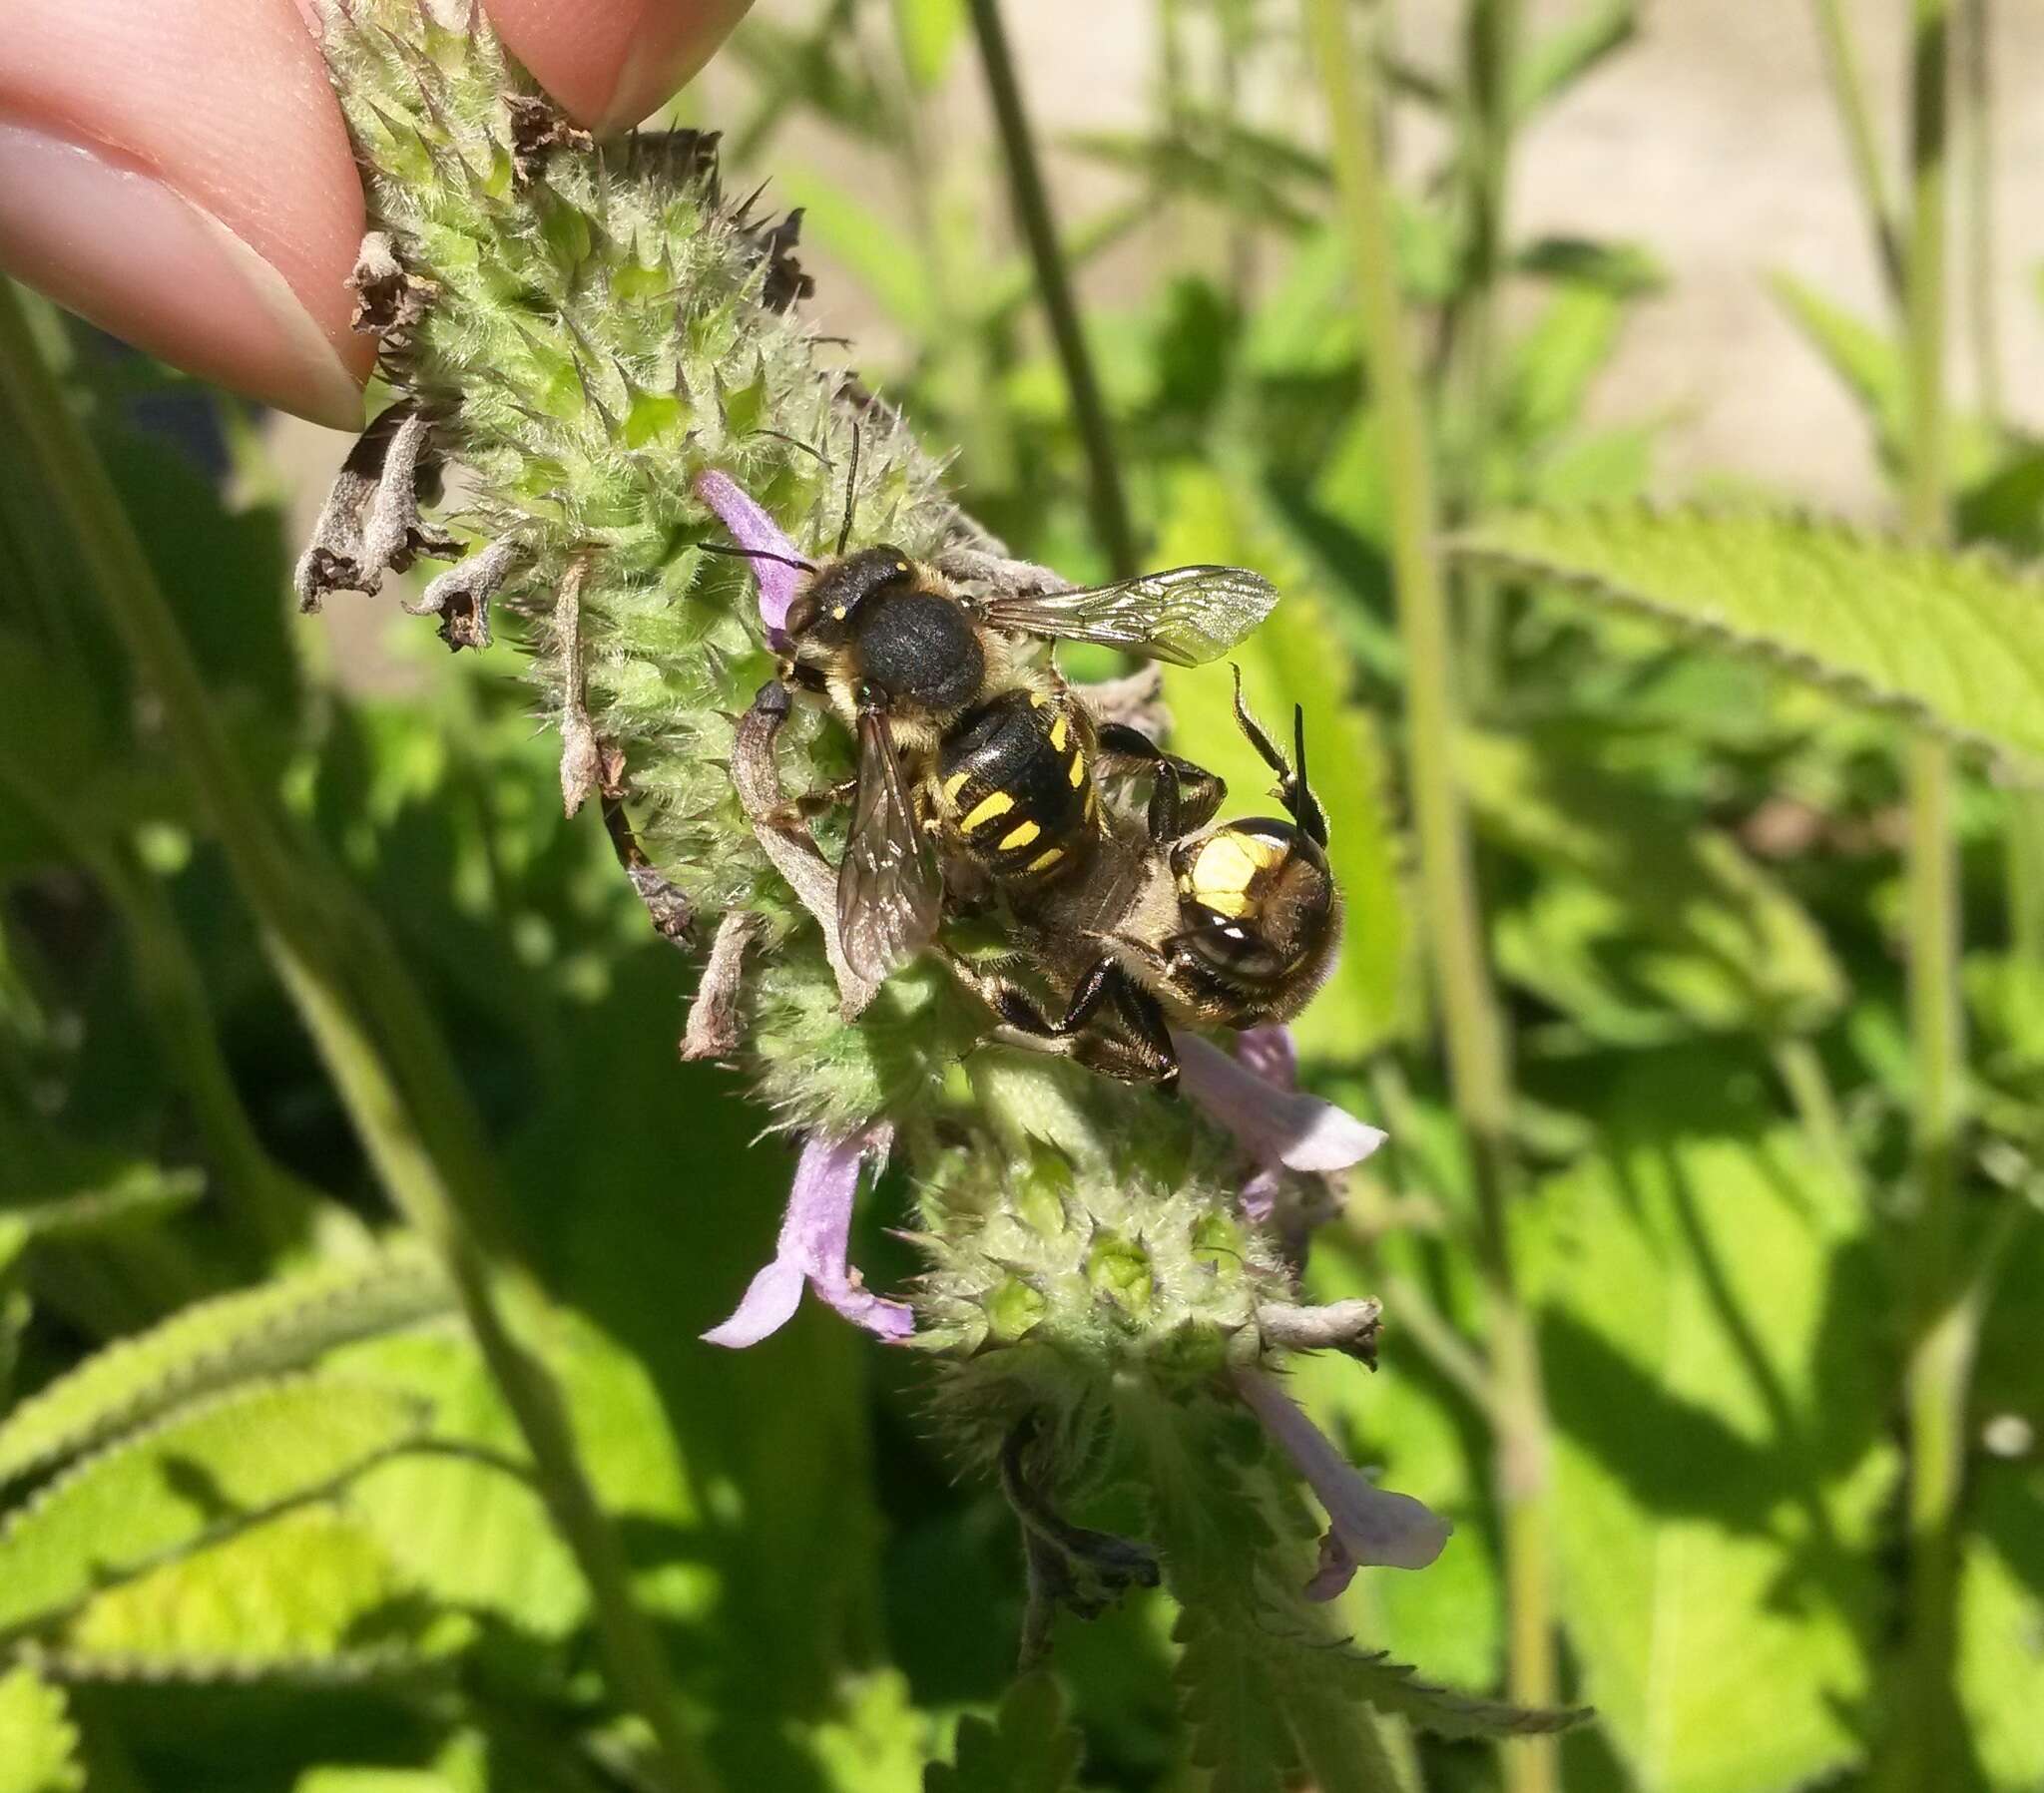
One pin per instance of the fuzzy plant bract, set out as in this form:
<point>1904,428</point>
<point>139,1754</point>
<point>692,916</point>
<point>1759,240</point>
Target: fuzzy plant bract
<point>614,355</point>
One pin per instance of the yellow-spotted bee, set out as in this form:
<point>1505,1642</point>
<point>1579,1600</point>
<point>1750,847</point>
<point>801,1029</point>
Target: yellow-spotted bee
<point>971,749</point>
<point>1172,921</point>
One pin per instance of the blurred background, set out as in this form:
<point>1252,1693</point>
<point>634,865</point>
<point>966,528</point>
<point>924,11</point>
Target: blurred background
<point>1693,902</point>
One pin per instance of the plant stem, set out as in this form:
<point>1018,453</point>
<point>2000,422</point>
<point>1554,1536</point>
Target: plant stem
<point>1471,1022</point>
<point>1862,147</point>
<point>363,1012</point>
<point>1976,57</point>
<point>1928,1738</point>
<point>1032,216</point>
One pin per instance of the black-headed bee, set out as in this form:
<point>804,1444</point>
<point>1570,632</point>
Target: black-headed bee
<point>1170,920</point>
<point>971,749</point>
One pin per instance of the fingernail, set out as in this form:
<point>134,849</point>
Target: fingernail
<point>113,243</point>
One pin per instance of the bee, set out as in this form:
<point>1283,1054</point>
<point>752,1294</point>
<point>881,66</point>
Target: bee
<point>1173,921</point>
<point>971,751</point>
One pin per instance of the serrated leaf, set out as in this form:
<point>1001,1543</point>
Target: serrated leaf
<point>1399,1690</point>
<point>1750,954</point>
<point>201,1473</point>
<point>1296,657</point>
<point>1709,1341</point>
<point>1956,643</point>
<point>38,1741</point>
<point>306,1589</point>
<point>281,1325</point>
<point>1029,1749</point>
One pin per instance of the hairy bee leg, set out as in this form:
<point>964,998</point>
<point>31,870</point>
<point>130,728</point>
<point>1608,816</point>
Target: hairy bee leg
<point>1111,1025</point>
<point>712,1031</point>
<point>755,775</point>
<point>1182,797</point>
<point>811,803</point>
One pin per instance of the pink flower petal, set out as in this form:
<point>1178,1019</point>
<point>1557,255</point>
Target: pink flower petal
<point>1276,1127</point>
<point>815,1245</point>
<point>1365,1524</point>
<point>755,532</point>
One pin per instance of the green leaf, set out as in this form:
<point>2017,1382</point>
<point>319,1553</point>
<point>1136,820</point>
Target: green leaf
<point>1708,930</point>
<point>104,1198</point>
<point>929,31</point>
<point>38,1741</point>
<point>2001,1625</point>
<point>202,1474</point>
<point>1296,657</point>
<point>1869,362</point>
<point>309,1594</point>
<point>1030,1749</point>
<point>1710,1339</point>
<point>1956,643</point>
<point>281,1325</point>
<point>1560,58</point>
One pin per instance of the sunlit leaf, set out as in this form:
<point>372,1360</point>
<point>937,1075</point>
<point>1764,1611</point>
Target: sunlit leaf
<point>928,33</point>
<point>38,1741</point>
<point>279,1325</point>
<point>1557,59</point>
<point>1709,1342</point>
<point>1029,1749</point>
<point>1956,643</point>
<point>205,1473</point>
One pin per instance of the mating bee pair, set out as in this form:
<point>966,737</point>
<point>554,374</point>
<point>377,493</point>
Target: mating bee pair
<point>982,774</point>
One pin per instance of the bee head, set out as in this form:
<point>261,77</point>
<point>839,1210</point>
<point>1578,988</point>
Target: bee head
<point>1258,912</point>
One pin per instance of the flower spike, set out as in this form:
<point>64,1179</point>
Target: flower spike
<point>816,1238</point>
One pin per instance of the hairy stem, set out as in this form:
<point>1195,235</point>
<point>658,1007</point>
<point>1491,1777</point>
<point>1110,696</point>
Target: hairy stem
<point>1472,1024</point>
<point>1033,215</point>
<point>362,1011</point>
<point>1925,1717</point>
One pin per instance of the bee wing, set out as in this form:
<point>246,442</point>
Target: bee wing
<point>889,893</point>
<point>1185,615</point>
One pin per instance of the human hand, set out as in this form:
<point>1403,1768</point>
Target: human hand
<point>178,171</point>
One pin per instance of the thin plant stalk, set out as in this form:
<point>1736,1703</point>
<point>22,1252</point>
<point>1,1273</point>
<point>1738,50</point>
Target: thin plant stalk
<point>1031,199</point>
<point>1983,321</point>
<point>366,1016</point>
<point>1471,1023</point>
<point>1942,1326</point>
<point>1862,142</point>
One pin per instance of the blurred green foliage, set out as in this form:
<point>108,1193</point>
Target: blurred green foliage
<point>285,1539</point>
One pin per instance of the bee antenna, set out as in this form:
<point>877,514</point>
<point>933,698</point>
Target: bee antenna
<point>756,554</point>
<point>850,490</point>
<point>1305,807</point>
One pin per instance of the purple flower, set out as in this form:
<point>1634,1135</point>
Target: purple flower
<point>757,534</point>
<point>1279,1126</point>
<point>1366,1525</point>
<point>814,1238</point>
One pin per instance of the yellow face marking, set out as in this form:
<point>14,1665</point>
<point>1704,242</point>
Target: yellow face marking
<point>1076,772</point>
<point>1226,867</point>
<point>953,785</point>
<point>989,809</point>
<point>1019,836</point>
<point>1037,701</point>
<point>1045,859</point>
<point>838,613</point>
<point>1061,732</point>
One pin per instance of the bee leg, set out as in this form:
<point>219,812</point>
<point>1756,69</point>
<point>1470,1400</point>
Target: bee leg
<point>1111,1025</point>
<point>796,810</point>
<point>1182,797</point>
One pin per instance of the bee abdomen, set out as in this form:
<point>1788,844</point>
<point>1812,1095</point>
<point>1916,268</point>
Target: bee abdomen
<point>1015,788</point>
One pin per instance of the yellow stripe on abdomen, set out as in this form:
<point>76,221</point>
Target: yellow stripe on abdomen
<point>989,809</point>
